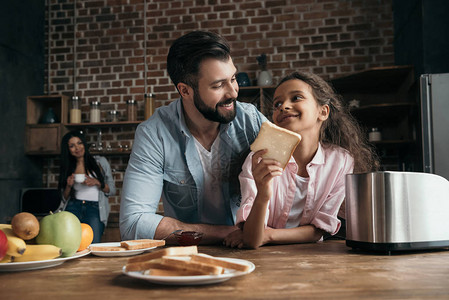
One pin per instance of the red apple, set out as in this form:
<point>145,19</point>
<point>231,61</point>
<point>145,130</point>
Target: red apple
<point>3,244</point>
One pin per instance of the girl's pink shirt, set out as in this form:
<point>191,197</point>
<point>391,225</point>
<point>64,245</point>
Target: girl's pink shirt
<point>325,192</point>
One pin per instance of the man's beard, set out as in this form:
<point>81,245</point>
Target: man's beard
<point>213,114</point>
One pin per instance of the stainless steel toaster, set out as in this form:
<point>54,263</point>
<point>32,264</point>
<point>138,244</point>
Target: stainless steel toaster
<point>388,211</point>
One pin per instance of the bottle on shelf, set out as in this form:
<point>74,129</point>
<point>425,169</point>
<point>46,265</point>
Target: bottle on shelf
<point>75,110</point>
<point>95,112</point>
<point>112,116</point>
<point>131,109</point>
<point>374,135</point>
<point>49,117</point>
<point>149,105</point>
<point>99,140</point>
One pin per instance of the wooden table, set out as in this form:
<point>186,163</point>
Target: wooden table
<point>327,270</point>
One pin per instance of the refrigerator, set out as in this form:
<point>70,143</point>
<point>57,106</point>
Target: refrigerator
<point>434,96</point>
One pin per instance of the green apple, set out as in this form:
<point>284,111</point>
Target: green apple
<point>62,229</point>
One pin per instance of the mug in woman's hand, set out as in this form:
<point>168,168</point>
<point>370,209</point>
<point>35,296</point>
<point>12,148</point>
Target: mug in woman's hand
<point>80,178</point>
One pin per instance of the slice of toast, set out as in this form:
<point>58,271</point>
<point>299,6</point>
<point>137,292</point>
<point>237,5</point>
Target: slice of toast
<point>176,251</point>
<point>146,265</point>
<point>280,142</point>
<point>210,260</point>
<point>165,272</point>
<point>175,265</point>
<point>173,262</point>
<point>141,244</point>
<point>107,248</point>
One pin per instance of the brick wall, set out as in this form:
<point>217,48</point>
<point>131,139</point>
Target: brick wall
<point>329,37</point>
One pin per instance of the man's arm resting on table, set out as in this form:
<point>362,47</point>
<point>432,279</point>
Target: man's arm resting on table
<point>213,234</point>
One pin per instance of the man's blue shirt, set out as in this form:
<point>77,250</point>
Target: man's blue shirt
<point>164,163</point>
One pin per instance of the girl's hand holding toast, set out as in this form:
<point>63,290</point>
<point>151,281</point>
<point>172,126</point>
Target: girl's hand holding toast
<point>264,170</point>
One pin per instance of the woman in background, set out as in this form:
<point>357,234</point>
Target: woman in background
<point>88,200</point>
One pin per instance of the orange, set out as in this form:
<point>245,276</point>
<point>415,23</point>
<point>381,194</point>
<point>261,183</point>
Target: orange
<point>87,236</point>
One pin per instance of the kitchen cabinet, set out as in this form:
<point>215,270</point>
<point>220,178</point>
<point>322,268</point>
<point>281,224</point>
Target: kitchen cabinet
<point>41,138</point>
<point>45,139</point>
<point>386,98</point>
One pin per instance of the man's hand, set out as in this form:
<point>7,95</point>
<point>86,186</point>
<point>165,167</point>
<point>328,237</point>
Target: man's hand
<point>234,239</point>
<point>213,234</point>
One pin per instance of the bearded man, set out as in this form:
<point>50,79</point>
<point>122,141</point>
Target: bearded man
<point>189,153</point>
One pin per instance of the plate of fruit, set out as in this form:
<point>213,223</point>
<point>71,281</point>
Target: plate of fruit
<point>27,244</point>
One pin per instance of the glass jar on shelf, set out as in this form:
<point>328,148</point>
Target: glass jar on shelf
<point>131,110</point>
<point>149,105</point>
<point>112,116</point>
<point>75,110</point>
<point>374,135</point>
<point>95,114</point>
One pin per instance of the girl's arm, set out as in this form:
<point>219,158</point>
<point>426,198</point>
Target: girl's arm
<point>254,227</point>
<point>301,234</point>
<point>264,170</point>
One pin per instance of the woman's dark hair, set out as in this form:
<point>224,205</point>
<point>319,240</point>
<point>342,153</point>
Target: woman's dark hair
<point>187,52</point>
<point>340,128</point>
<point>68,161</point>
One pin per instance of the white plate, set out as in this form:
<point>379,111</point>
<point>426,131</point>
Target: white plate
<point>194,280</point>
<point>40,264</point>
<point>117,253</point>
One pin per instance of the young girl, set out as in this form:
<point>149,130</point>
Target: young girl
<point>300,203</point>
<point>88,200</point>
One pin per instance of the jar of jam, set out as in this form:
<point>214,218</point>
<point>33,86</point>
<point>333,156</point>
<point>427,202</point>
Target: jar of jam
<point>188,238</point>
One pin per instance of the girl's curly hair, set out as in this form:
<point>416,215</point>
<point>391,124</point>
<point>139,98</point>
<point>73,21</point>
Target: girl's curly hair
<point>341,128</point>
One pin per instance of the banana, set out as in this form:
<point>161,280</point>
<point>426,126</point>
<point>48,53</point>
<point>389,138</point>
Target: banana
<point>16,246</point>
<point>39,252</point>
<point>5,226</point>
<point>7,259</point>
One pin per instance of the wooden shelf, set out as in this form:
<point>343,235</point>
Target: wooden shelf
<point>376,80</point>
<point>379,115</point>
<point>104,124</point>
<point>389,103</point>
<point>44,139</point>
<point>393,142</point>
<point>260,96</point>
<point>382,106</point>
<point>37,106</point>
<point>110,152</point>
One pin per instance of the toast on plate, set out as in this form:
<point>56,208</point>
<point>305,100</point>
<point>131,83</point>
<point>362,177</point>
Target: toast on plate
<point>141,244</point>
<point>207,259</point>
<point>181,261</point>
<point>172,251</point>
<point>106,248</point>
